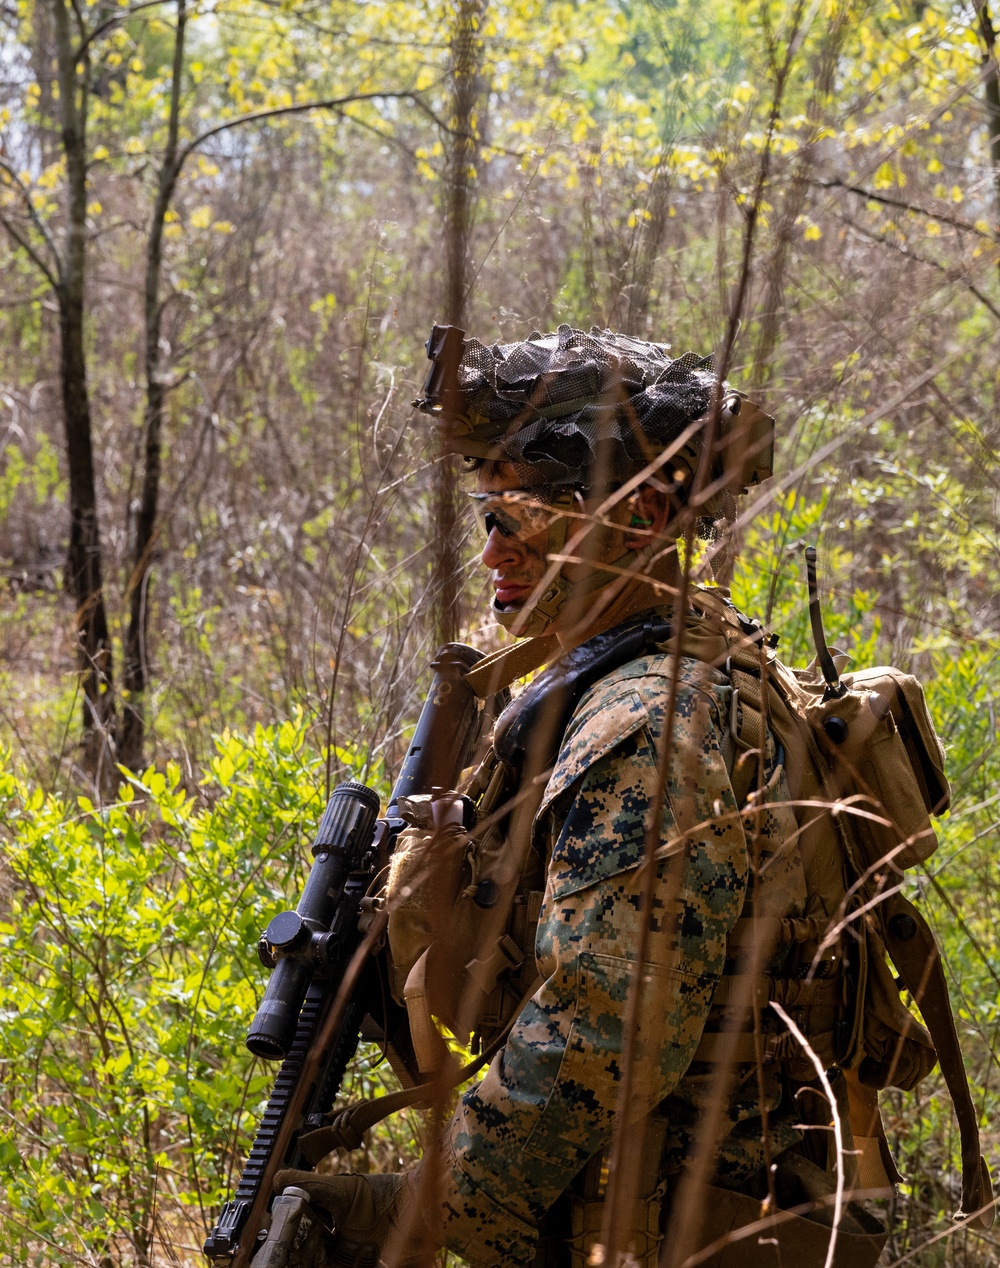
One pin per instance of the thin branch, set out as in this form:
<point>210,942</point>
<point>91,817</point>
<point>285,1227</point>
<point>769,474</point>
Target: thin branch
<point>344,33</point>
<point>115,20</point>
<point>874,196</point>
<point>838,1131</point>
<point>458,133</point>
<point>30,252</point>
<point>35,218</point>
<point>951,273</point>
<point>496,237</point>
<point>75,6</point>
<point>387,137</point>
<point>255,116</point>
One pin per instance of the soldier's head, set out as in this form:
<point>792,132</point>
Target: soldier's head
<point>585,449</point>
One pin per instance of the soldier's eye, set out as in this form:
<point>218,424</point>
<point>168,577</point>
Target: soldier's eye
<point>491,521</point>
<point>519,513</point>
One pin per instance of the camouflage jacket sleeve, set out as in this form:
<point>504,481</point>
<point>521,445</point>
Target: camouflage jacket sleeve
<point>549,1099</point>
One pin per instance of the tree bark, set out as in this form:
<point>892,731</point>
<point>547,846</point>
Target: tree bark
<point>466,51</point>
<point>466,88</point>
<point>637,295</point>
<point>135,667</point>
<point>991,91</point>
<point>83,566</point>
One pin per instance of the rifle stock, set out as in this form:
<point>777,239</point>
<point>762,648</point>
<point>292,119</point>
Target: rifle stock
<point>324,985</point>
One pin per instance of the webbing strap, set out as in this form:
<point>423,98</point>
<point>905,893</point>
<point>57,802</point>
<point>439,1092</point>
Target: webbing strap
<point>500,669</point>
<point>749,687</point>
<point>743,665</point>
<point>725,1047</point>
<point>770,931</point>
<point>428,1046</point>
<point>876,1168</point>
<point>348,1128</point>
<point>914,952</point>
<point>746,719</point>
<point>737,988</point>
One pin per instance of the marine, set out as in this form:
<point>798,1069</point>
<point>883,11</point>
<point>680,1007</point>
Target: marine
<point>628,1074</point>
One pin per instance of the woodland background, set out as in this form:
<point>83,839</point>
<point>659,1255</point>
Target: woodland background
<point>228,546</point>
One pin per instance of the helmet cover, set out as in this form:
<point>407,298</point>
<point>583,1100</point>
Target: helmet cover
<point>584,409</point>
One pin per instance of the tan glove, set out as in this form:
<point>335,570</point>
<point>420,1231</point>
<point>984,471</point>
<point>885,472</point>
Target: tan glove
<point>374,1217</point>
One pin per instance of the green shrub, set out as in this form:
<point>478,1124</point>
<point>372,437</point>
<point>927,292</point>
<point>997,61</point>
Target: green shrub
<point>129,977</point>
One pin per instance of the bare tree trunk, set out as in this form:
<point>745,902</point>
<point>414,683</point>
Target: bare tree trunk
<point>775,267</point>
<point>84,570</point>
<point>991,91</point>
<point>466,88</point>
<point>135,669</point>
<point>42,61</point>
<point>639,297</point>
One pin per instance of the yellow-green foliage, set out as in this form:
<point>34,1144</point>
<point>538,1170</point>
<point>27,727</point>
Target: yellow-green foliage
<point>128,979</point>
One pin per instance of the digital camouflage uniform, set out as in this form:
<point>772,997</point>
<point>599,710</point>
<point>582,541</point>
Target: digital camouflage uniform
<point>548,1101</point>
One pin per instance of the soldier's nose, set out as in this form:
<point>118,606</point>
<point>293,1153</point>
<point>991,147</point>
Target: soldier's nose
<point>500,549</point>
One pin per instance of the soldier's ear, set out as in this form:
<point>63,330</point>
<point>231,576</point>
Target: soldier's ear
<point>648,515</point>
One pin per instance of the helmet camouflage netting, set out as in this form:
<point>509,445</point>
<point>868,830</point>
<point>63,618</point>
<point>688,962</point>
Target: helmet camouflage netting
<point>574,407</point>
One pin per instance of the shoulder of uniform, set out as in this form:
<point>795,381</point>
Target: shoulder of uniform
<point>632,697</point>
<point>611,713</point>
<point>649,677</point>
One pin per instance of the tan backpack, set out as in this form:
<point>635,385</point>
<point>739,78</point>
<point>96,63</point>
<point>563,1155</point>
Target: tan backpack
<point>865,770</point>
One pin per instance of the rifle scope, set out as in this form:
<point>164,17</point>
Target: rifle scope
<point>302,938</point>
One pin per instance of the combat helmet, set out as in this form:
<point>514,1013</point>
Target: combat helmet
<point>580,414</point>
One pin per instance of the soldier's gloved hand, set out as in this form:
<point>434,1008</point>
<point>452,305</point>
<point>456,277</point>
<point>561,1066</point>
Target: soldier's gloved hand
<point>372,1215</point>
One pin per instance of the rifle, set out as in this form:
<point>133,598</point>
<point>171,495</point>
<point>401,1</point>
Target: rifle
<point>328,987</point>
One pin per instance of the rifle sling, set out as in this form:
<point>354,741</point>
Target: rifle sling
<point>348,1128</point>
<point>499,669</point>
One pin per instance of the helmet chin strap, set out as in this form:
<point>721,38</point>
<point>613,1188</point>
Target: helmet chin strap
<point>535,620</point>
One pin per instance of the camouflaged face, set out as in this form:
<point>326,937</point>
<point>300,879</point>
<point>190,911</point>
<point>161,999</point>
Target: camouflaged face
<point>549,1100</point>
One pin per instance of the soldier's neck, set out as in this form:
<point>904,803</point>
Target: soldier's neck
<point>656,586</point>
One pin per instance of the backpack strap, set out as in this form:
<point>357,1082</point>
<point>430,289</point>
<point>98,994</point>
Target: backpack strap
<point>747,718</point>
<point>915,954</point>
<point>534,724</point>
<point>747,641</point>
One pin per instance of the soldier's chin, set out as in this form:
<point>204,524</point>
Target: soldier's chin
<point>520,618</point>
<point>514,615</point>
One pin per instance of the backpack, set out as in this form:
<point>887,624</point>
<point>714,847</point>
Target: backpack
<point>865,769</point>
